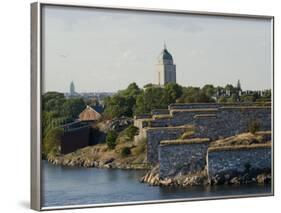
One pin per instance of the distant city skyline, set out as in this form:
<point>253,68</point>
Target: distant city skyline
<point>106,50</point>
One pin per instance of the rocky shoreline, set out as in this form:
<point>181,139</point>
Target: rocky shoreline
<point>196,179</point>
<point>152,176</point>
<point>106,164</point>
<point>201,178</point>
<point>99,156</point>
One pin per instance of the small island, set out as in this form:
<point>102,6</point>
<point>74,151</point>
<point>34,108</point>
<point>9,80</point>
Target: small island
<point>187,143</point>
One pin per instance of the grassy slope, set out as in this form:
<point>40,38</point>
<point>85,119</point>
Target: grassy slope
<point>244,139</point>
<point>101,156</point>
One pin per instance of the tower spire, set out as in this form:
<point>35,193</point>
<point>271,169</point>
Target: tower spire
<point>165,45</point>
<point>72,88</point>
<point>238,84</point>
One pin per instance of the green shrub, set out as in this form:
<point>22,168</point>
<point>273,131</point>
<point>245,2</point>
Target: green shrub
<point>126,151</point>
<point>128,134</point>
<point>131,131</point>
<point>253,126</point>
<point>111,139</point>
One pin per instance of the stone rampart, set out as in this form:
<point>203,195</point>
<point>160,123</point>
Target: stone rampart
<point>142,123</point>
<point>193,105</point>
<point>214,105</point>
<point>230,121</point>
<point>184,117</point>
<point>179,117</point>
<point>160,112</point>
<point>235,161</point>
<point>155,135</point>
<point>143,116</point>
<point>213,123</point>
<point>185,114</point>
<point>177,157</point>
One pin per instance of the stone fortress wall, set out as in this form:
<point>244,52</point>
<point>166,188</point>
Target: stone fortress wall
<point>157,134</point>
<point>211,120</point>
<point>182,156</point>
<point>228,121</point>
<point>184,114</point>
<point>237,160</point>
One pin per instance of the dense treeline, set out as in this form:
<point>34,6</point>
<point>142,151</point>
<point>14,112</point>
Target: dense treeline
<point>60,106</point>
<point>57,110</point>
<point>134,100</point>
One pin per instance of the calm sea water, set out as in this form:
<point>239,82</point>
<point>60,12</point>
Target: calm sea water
<point>76,186</point>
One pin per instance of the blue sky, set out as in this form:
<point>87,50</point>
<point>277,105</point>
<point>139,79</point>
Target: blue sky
<point>105,50</point>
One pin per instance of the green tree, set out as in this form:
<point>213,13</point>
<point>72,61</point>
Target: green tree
<point>148,85</point>
<point>73,107</point>
<point>232,99</point>
<point>247,98</point>
<point>230,88</point>
<point>151,98</point>
<point>123,103</point>
<point>267,93</point>
<point>209,90</point>
<point>51,143</point>
<point>131,91</point>
<point>194,95</point>
<point>118,106</point>
<point>53,101</point>
<point>173,92</point>
<point>52,95</point>
<point>111,139</point>
<point>52,110</point>
<point>92,102</point>
<point>47,119</point>
<point>129,133</point>
<point>222,99</point>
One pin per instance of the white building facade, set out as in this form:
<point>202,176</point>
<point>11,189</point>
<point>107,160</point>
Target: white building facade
<point>165,68</point>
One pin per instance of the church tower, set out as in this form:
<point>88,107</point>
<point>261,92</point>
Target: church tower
<point>165,68</point>
<point>72,89</point>
<point>239,85</point>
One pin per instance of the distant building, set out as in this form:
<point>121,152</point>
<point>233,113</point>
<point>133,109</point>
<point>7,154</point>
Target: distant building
<point>89,114</point>
<point>239,88</point>
<point>72,89</point>
<point>165,68</point>
<point>72,93</point>
<point>239,85</point>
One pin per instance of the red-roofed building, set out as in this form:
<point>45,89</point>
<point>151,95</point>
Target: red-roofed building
<point>89,114</point>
